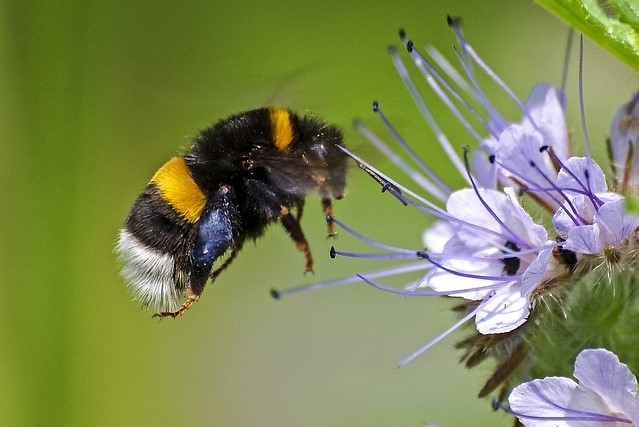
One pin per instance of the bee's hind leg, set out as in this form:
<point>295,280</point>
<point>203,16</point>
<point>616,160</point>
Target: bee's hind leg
<point>191,298</point>
<point>294,229</point>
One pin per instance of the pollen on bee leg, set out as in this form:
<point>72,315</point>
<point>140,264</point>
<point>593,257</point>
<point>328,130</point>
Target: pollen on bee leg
<point>191,298</point>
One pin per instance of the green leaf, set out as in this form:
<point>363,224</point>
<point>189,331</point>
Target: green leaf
<point>615,29</point>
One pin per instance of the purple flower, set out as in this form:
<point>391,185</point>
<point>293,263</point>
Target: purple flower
<point>605,396</point>
<point>493,242</point>
<point>592,220</point>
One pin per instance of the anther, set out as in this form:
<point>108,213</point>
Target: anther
<point>332,253</point>
<point>409,46</point>
<point>375,106</point>
<point>491,159</point>
<point>543,148</point>
<point>453,21</point>
<point>275,294</point>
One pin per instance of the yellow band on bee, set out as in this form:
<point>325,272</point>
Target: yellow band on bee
<point>178,189</point>
<point>282,127</point>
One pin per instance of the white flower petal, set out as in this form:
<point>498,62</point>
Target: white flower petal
<point>436,236</point>
<point>502,312</point>
<point>535,272</point>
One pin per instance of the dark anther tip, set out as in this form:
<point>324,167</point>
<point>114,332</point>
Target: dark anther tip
<point>532,164</point>
<point>385,187</point>
<point>402,34</point>
<point>421,255</point>
<point>543,148</point>
<point>466,148</point>
<point>409,46</point>
<point>332,253</point>
<point>491,159</point>
<point>329,218</point>
<point>495,404</point>
<point>392,49</point>
<point>275,294</point>
<point>375,106</point>
<point>453,21</point>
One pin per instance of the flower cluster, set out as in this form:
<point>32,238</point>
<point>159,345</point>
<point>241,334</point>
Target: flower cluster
<point>524,282</point>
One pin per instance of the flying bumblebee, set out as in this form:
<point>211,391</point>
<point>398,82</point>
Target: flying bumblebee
<point>240,175</point>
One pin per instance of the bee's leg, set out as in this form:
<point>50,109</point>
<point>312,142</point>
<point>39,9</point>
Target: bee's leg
<point>226,263</point>
<point>191,298</point>
<point>327,205</point>
<point>293,228</point>
<point>300,210</point>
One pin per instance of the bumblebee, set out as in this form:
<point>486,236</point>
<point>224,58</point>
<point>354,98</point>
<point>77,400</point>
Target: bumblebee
<point>242,174</point>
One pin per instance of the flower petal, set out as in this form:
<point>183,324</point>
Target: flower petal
<point>544,107</point>
<point>436,236</point>
<point>543,398</point>
<point>601,371</point>
<point>535,272</point>
<point>582,167</point>
<point>502,312</point>
<point>584,239</point>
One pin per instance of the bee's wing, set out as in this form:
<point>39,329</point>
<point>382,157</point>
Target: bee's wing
<point>295,175</point>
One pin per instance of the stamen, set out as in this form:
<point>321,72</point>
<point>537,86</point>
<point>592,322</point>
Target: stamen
<point>410,268</point>
<point>509,278</point>
<point>585,188</point>
<point>428,207</point>
<point>448,68</point>
<point>500,122</point>
<point>334,253</point>
<point>575,212</point>
<point>536,188</point>
<point>564,74</point>
<point>409,150</point>
<point>492,213</point>
<point>413,293</point>
<point>466,47</point>
<point>581,100</point>
<point>431,209</point>
<point>420,179</point>
<point>434,79</point>
<point>439,134</point>
<point>371,242</point>
<point>439,338</point>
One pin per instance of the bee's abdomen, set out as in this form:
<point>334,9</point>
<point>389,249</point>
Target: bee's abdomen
<point>153,241</point>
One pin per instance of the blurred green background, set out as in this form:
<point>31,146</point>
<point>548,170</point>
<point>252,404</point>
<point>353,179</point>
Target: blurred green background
<point>95,96</point>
